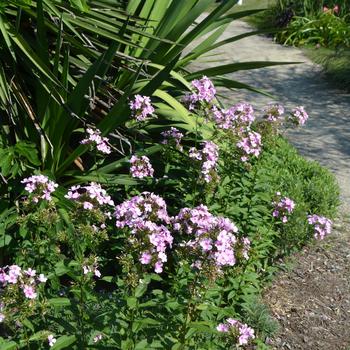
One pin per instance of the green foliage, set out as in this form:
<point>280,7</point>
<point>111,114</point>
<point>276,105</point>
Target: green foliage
<point>324,29</point>
<point>311,8</point>
<point>322,23</point>
<point>66,66</point>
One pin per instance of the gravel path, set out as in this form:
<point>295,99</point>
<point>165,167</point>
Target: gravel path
<point>312,300</point>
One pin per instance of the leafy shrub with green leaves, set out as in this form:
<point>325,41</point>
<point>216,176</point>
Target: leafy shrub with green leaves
<point>98,261</point>
<point>322,23</point>
<point>81,272</point>
<point>324,29</point>
<point>311,8</point>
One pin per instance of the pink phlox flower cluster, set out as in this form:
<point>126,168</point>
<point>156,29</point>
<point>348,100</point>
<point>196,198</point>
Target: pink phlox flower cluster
<point>242,115</point>
<point>141,214</point>
<point>223,118</point>
<point>250,145</point>
<point>145,207</point>
<point>299,116</point>
<point>322,225</point>
<point>273,112</point>
<point>92,269</point>
<point>25,279</point>
<point>51,339</point>
<point>140,167</point>
<point>196,221</point>
<point>239,117</point>
<point>209,156</point>
<point>204,92</point>
<point>90,196</point>
<point>172,135</point>
<point>239,330</point>
<point>94,137</point>
<point>40,186</point>
<point>283,207</point>
<point>141,107</point>
<point>213,237</point>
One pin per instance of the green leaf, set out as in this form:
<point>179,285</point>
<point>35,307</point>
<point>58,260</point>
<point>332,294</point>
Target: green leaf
<point>8,345</point>
<point>143,344</point>
<point>80,5</point>
<point>5,240</point>
<point>61,268</point>
<point>28,324</point>
<point>234,67</point>
<point>29,151</point>
<point>63,342</point>
<point>141,289</point>
<point>131,302</point>
<point>41,335</point>
<point>59,302</point>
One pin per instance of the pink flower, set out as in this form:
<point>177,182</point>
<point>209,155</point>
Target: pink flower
<point>51,340</point>
<point>204,92</point>
<point>40,186</point>
<point>246,333</point>
<point>88,205</point>
<point>158,267</point>
<point>42,278</point>
<point>172,135</point>
<point>141,107</point>
<point>241,331</point>
<point>283,207</point>
<point>250,145</point>
<point>95,138</point>
<point>223,328</point>
<point>97,338</point>
<point>206,244</point>
<point>273,112</point>
<point>30,272</point>
<point>29,292</point>
<point>209,156</point>
<point>90,196</point>
<point>146,258</point>
<point>299,116</point>
<point>141,167</point>
<point>12,278</point>
<point>322,225</point>
<point>86,270</point>
<point>336,9</point>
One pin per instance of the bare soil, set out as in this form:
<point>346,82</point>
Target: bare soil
<point>312,301</point>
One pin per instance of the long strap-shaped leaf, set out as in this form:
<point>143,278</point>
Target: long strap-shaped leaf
<point>199,29</point>
<point>203,49</point>
<point>24,47</point>
<point>234,67</point>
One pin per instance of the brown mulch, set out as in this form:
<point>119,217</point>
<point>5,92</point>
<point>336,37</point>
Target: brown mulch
<point>312,301</point>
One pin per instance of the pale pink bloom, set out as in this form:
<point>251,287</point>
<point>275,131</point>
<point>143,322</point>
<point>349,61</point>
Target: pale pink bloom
<point>223,328</point>
<point>51,340</point>
<point>158,267</point>
<point>42,278</point>
<point>86,270</point>
<point>30,272</point>
<point>29,292</point>
<point>97,338</point>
